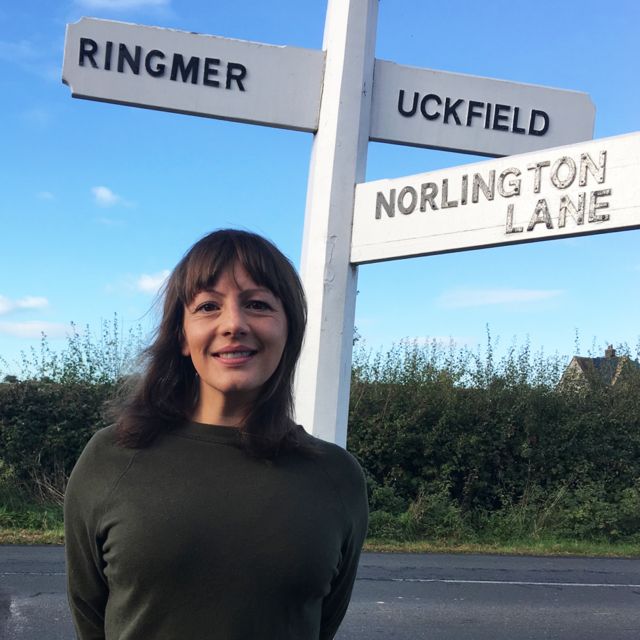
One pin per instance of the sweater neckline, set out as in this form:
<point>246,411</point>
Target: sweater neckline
<point>208,432</point>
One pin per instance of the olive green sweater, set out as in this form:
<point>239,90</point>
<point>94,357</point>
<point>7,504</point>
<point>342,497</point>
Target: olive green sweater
<point>191,538</point>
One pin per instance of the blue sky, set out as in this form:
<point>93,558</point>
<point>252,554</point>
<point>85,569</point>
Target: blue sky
<point>98,201</point>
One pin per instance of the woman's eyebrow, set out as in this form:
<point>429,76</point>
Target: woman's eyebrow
<point>207,291</point>
<point>258,290</point>
<point>249,291</point>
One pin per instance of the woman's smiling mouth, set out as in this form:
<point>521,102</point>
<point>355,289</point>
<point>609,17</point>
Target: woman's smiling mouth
<point>233,355</point>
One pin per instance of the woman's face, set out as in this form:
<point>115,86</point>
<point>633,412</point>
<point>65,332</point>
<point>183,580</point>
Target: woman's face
<point>235,334</point>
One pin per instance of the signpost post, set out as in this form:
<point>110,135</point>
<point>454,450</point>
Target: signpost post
<point>335,94</point>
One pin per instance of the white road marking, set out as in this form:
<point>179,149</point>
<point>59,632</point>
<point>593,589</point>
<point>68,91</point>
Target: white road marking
<point>32,573</point>
<point>519,583</point>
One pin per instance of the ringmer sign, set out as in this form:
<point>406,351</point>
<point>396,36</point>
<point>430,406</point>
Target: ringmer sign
<point>191,73</point>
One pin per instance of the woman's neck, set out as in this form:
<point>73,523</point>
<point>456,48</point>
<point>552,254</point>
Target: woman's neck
<point>224,416</point>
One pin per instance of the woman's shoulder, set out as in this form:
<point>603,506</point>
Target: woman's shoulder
<point>340,465</point>
<point>102,461</point>
<point>103,443</point>
<point>328,451</point>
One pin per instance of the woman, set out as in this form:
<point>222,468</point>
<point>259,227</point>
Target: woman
<point>204,512</point>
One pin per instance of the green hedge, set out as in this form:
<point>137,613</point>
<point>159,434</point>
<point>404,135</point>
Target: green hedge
<point>510,456</point>
<point>43,428</point>
<point>454,445</point>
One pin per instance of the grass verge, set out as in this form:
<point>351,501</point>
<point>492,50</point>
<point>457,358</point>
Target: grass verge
<point>23,521</point>
<point>15,535</point>
<point>10,535</point>
<point>515,548</point>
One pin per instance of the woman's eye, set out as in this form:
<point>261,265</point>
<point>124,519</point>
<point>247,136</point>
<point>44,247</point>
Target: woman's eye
<point>259,305</point>
<point>207,307</point>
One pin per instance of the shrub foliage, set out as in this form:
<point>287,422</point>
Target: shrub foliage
<point>49,412</point>
<point>455,444</point>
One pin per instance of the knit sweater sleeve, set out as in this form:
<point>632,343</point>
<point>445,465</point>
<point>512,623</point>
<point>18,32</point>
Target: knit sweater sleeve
<point>92,480</point>
<point>350,484</point>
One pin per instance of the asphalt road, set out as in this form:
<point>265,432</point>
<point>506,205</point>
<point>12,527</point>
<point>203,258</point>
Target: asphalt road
<point>399,597</point>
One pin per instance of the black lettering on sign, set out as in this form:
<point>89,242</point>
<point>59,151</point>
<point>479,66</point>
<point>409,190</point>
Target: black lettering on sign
<point>499,116</point>
<point>423,106</point>
<point>516,115</point>
<point>88,49</point>
<point>236,72</point>
<point>124,55</point>
<point>160,68</point>
<point>414,106</point>
<point>210,70</point>
<point>107,56</point>
<point>474,111</point>
<point>450,110</point>
<point>544,117</point>
<point>185,70</point>
<point>128,58</point>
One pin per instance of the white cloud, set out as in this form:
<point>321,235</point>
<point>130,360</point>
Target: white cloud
<point>45,195</point>
<point>122,4</point>
<point>32,57</point>
<point>104,197</point>
<point>21,51</point>
<point>37,116</point>
<point>34,329</point>
<point>151,283</point>
<point>28,302</point>
<point>459,298</point>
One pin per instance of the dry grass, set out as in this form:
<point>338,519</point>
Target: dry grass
<point>30,536</point>
<point>525,548</point>
<point>541,548</point>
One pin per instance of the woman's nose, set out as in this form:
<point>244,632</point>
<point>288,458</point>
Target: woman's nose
<point>233,321</point>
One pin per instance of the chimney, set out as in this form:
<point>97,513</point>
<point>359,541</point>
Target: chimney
<point>610,352</point>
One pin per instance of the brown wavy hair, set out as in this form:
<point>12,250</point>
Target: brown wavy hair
<point>165,395</point>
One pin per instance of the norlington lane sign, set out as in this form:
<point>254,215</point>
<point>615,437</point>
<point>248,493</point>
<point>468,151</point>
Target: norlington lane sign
<point>453,111</point>
<point>585,188</point>
<point>195,74</point>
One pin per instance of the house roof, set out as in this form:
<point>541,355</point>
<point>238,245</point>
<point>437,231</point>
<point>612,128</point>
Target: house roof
<point>607,368</point>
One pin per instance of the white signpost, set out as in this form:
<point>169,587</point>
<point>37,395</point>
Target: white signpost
<point>334,94</point>
<point>194,74</point>
<point>457,112</point>
<point>566,191</point>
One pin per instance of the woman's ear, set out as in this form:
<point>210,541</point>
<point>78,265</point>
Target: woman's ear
<point>184,347</point>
